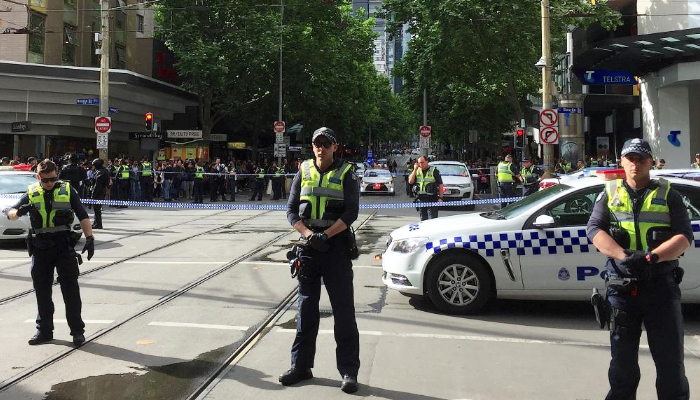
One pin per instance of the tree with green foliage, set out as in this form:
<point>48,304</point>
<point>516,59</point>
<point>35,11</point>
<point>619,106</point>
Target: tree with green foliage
<point>475,57</point>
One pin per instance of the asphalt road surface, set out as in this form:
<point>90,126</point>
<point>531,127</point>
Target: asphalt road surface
<point>199,304</point>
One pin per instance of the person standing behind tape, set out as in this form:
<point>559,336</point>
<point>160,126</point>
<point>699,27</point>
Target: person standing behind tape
<point>653,230</point>
<point>506,173</point>
<point>429,184</point>
<point>323,203</point>
<point>199,183</point>
<point>146,180</point>
<point>99,188</point>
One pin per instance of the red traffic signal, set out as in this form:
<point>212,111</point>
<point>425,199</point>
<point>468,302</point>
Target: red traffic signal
<point>149,121</point>
<point>520,132</point>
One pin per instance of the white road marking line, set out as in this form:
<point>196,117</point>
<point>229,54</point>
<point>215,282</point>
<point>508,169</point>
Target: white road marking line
<point>101,260</point>
<point>203,326</point>
<point>87,321</point>
<point>177,262</point>
<point>287,264</point>
<point>460,337</point>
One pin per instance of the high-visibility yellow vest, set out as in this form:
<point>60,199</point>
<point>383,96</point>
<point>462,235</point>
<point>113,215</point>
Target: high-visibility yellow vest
<point>566,168</point>
<point>147,169</point>
<point>695,165</point>
<point>278,172</point>
<point>261,173</point>
<point>654,211</point>
<point>318,191</point>
<point>528,174</point>
<point>123,172</point>
<point>504,173</point>
<point>594,163</point>
<point>61,201</point>
<point>199,173</point>
<point>423,180</point>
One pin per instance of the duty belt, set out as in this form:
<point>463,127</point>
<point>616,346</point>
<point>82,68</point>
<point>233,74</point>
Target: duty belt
<point>53,229</point>
<point>319,223</point>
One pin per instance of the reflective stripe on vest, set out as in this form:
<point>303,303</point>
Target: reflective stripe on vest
<point>147,169</point>
<point>424,180</point>
<point>317,189</point>
<point>503,173</point>
<point>528,173</point>
<point>566,168</point>
<point>261,173</point>
<point>278,172</point>
<point>124,172</point>
<point>199,174</point>
<point>654,211</point>
<point>61,201</point>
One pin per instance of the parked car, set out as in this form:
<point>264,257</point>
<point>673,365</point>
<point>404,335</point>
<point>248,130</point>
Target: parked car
<point>377,181</point>
<point>456,180</point>
<point>535,248</point>
<point>13,182</point>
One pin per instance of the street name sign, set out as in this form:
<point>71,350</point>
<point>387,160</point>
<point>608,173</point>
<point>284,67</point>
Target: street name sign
<point>21,126</point>
<point>570,110</point>
<point>184,134</point>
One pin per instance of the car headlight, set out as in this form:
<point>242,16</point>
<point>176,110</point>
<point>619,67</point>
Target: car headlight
<point>409,245</point>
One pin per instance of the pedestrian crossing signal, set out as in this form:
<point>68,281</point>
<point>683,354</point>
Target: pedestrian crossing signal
<point>519,138</point>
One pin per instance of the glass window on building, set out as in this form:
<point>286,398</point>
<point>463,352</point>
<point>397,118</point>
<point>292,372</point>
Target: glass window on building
<point>70,13</point>
<point>121,57</point>
<point>38,4</point>
<point>94,57</point>
<point>140,23</point>
<point>120,28</point>
<point>70,41</point>
<point>37,38</point>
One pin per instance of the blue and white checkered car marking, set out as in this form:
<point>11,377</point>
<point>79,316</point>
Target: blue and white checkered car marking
<point>533,242</point>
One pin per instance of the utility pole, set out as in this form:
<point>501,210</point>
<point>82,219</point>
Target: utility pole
<point>424,150</point>
<point>548,156</point>
<point>104,67</point>
<point>279,110</point>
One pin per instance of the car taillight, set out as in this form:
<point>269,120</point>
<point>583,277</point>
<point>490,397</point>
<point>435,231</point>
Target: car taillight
<point>545,185</point>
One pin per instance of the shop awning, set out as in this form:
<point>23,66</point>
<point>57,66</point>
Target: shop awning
<point>641,54</point>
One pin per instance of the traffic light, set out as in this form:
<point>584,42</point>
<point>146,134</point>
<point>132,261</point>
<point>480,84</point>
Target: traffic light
<point>519,138</point>
<point>149,121</point>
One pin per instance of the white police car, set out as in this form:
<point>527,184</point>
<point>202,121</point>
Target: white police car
<point>535,248</point>
<point>15,183</point>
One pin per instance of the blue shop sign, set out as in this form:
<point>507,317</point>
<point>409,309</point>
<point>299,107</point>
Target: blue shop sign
<point>607,77</point>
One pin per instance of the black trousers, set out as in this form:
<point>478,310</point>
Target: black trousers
<point>657,305</point>
<point>61,257</point>
<point>258,185</point>
<point>276,188</point>
<point>123,188</point>
<point>335,267</point>
<point>147,188</point>
<point>197,188</point>
<point>506,189</point>
<point>98,214</point>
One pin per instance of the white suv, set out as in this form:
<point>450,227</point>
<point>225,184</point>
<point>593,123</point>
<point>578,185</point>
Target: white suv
<point>457,181</point>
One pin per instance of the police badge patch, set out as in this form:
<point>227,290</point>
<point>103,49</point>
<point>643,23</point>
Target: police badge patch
<point>564,274</point>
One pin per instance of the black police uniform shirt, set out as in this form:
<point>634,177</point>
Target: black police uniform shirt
<point>680,222</point>
<point>351,197</point>
<point>75,203</point>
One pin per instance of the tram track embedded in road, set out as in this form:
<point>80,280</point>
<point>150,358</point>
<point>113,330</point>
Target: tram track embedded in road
<point>238,353</point>
<point>16,296</point>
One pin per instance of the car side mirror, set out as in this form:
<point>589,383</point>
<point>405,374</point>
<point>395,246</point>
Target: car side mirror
<point>544,222</point>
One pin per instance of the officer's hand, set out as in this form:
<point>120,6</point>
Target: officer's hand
<point>319,242</point>
<point>89,247</point>
<point>635,261</point>
<point>24,209</point>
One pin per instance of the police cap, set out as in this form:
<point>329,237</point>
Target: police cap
<point>327,132</point>
<point>98,162</point>
<point>638,146</point>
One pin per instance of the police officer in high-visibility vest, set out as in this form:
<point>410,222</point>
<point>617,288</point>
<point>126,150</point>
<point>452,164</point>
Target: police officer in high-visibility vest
<point>146,179</point>
<point>660,164</point>
<point>507,174</point>
<point>531,176</point>
<point>594,162</point>
<point>258,183</point>
<point>643,227</point>
<point>564,167</point>
<point>323,204</point>
<point>429,183</point>
<point>277,172</point>
<point>52,205</point>
<point>198,183</point>
<point>123,175</point>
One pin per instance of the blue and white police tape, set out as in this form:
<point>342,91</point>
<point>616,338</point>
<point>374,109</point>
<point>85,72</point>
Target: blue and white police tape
<point>279,207</point>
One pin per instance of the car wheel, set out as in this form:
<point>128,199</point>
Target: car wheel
<point>458,284</point>
<point>579,205</point>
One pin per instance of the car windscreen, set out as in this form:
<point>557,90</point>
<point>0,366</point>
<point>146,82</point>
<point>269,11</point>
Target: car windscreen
<point>15,183</point>
<point>374,174</point>
<point>451,170</point>
<point>531,202</point>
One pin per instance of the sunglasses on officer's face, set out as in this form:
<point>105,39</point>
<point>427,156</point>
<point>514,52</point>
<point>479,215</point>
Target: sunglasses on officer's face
<point>47,180</point>
<point>322,143</point>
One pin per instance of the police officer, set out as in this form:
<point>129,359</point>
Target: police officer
<point>100,185</point>
<point>564,167</point>
<point>258,184</point>
<point>506,173</point>
<point>73,173</point>
<point>660,164</point>
<point>323,204</point>
<point>696,164</point>
<point>531,176</point>
<point>51,205</point>
<point>594,162</point>
<point>651,230</point>
<point>429,184</point>
<point>276,181</point>
<point>123,182</point>
<point>198,183</point>
<point>146,180</point>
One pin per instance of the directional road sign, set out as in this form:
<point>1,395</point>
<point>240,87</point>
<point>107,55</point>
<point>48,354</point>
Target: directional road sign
<point>103,124</point>
<point>549,135</point>
<point>102,141</point>
<point>549,117</point>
